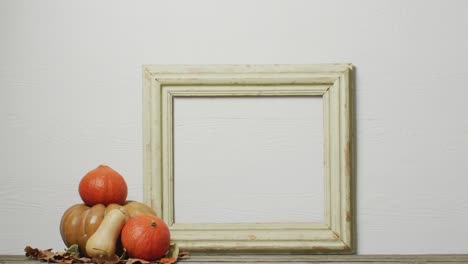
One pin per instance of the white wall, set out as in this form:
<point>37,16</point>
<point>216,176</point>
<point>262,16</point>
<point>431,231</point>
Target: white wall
<point>70,98</point>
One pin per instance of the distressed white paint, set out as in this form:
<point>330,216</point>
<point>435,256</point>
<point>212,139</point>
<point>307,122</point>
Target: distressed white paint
<point>332,82</point>
<point>70,98</point>
<point>248,160</point>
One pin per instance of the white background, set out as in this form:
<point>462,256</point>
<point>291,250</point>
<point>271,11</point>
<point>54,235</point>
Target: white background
<point>248,160</point>
<point>70,99</point>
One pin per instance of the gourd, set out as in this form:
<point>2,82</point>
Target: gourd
<point>104,240</point>
<point>79,222</point>
<point>146,237</point>
<point>103,185</point>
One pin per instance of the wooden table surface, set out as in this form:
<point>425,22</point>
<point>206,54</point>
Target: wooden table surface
<point>18,259</point>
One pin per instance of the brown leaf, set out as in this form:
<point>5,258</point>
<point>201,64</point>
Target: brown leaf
<point>61,256</point>
<point>168,260</point>
<point>68,261</point>
<point>106,259</point>
<point>46,256</point>
<point>67,257</point>
<point>31,252</point>
<point>84,260</point>
<point>136,261</point>
<point>43,255</point>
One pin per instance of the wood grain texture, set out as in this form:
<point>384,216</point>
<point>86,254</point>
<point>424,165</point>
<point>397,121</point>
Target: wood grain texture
<point>333,81</point>
<point>330,259</point>
<point>15,259</point>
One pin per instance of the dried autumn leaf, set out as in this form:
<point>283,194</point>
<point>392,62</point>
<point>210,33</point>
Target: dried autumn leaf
<point>67,257</point>
<point>106,259</point>
<point>168,260</point>
<point>136,261</point>
<point>84,260</point>
<point>46,256</point>
<point>43,255</point>
<point>74,251</point>
<point>62,256</point>
<point>31,252</point>
<point>68,261</point>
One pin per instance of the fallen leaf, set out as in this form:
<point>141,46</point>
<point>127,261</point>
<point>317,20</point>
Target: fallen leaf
<point>70,257</point>
<point>62,256</point>
<point>136,261</point>
<point>168,260</point>
<point>68,261</point>
<point>106,259</point>
<point>46,256</point>
<point>84,260</point>
<point>43,255</point>
<point>67,257</point>
<point>31,252</point>
<point>74,251</point>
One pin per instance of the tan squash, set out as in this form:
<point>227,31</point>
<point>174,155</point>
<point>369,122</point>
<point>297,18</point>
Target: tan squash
<point>79,222</point>
<point>104,240</point>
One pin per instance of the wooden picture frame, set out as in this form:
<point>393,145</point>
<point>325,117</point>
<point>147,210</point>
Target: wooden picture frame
<point>333,82</point>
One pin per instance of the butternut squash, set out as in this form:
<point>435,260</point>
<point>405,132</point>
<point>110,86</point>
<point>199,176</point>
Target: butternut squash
<point>104,240</point>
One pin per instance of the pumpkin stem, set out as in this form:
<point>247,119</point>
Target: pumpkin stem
<point>153,224</point>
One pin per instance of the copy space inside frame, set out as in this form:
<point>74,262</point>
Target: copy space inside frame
<point>248,159</point>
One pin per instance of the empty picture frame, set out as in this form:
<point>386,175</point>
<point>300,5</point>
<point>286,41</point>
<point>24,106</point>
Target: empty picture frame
<point>333,82</point>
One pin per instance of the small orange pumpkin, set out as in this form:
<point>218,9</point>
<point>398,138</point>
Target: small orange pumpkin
<point>80,221</point>
<point>146,237</point>
<point>103,185</point>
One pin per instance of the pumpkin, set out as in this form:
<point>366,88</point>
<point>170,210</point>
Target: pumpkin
<point>80,222</point>
<point>103,185</point>
<point>146,237</point>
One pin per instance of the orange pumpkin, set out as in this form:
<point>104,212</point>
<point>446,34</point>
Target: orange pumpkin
<point>103,185</point>
<point>146,237</point>
<point>80,221</point>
